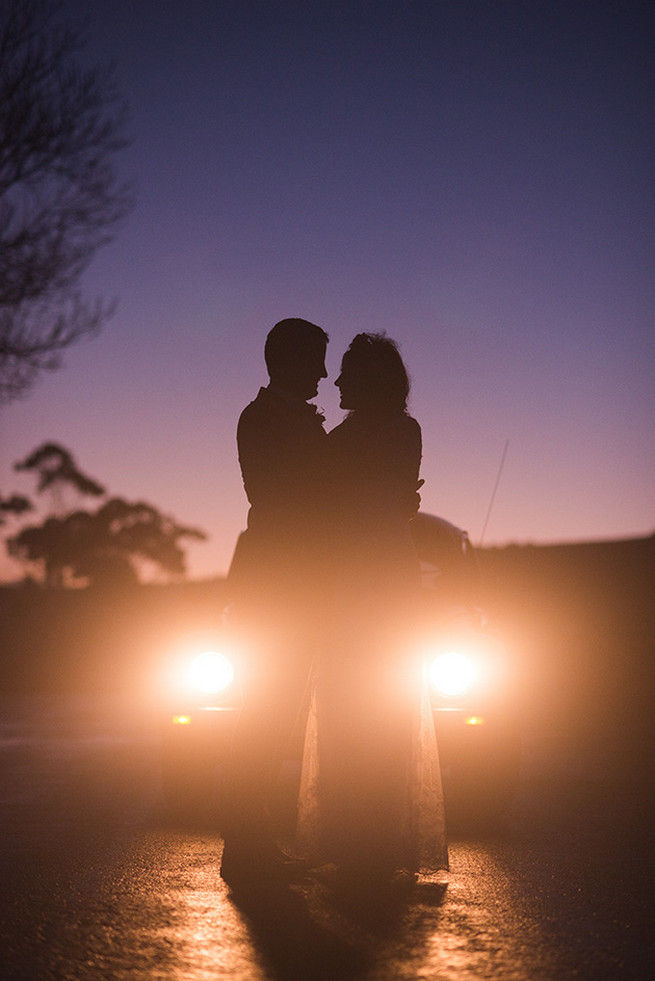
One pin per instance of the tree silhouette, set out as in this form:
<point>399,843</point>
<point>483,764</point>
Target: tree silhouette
<point>16,504</point>
<point>60,126</point>
<point>105,546</point>
<point>57,469</point>
<point>57,472</point>
<point>109,545</point>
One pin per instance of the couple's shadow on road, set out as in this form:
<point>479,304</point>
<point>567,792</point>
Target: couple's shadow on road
<point>310,930</point>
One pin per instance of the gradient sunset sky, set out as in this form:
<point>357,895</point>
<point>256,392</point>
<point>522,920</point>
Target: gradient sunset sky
<point>473,177</point>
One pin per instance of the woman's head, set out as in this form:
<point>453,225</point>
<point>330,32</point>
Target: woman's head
<point>373,376</point>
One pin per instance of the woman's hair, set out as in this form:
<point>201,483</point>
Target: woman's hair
<point>377,358</point>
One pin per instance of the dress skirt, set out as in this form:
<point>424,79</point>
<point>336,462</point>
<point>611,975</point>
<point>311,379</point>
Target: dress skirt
<point>371,799</point>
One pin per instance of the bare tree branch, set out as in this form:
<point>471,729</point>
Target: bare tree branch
<point>60,200</point>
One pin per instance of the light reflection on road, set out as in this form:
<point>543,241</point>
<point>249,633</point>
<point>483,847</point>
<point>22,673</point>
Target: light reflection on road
<point>207,938</point>
<point>483,931</point>
<point>99,884</point>
<point>479,930</point>
<point>473,928</point>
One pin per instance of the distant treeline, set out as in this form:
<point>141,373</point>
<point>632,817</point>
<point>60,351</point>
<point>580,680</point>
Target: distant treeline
<point>579,621</point>
<point>600,580</point>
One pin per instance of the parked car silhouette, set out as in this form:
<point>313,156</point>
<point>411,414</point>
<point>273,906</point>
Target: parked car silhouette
<point>471,685</point>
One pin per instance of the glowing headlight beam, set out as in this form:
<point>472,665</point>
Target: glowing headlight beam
<point>452,674</point>
<point>211,672</point>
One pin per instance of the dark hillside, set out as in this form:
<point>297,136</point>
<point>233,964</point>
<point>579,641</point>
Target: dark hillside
<point>580,623</point>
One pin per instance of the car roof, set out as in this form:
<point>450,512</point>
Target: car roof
<point>436,539</point>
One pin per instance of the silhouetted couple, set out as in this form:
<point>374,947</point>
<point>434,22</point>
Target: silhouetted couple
<point>326,584</point>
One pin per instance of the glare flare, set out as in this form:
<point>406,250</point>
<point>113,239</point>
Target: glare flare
<point>211,672</point>
<point>452,673</point>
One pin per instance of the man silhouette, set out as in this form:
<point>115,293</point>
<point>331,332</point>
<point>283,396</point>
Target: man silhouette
<point>281,443</point>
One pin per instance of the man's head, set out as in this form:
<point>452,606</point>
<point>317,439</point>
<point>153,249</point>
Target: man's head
<point>295,356</point>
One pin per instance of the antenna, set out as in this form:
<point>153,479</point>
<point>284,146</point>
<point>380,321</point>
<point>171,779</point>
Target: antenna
<point>493,493</point>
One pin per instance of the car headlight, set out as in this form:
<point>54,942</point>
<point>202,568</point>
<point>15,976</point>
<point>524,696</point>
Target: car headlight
<point>452,674</point>
<point>211,672</point>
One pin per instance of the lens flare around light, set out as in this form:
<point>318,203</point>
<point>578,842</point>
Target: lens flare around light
<point>452,673</point>
<point>211,672</point>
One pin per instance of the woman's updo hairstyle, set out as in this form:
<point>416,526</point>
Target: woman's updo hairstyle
<point>377,360</point>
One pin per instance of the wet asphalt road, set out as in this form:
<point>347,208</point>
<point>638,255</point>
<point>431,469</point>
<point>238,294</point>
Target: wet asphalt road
<point>99,882</point>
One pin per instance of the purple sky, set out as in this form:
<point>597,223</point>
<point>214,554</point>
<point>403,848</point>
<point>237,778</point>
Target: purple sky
<point>474,178</point>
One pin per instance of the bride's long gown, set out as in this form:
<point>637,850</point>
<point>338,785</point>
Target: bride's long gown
<point>371,799</point>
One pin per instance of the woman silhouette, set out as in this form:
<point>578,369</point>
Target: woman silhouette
<point>371,798</point>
